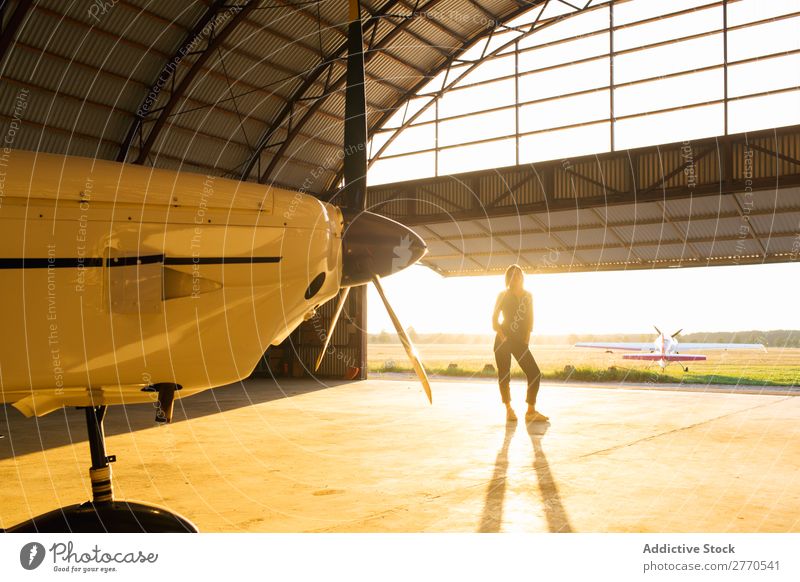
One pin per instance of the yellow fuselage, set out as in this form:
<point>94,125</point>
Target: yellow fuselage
<point>115,277</point>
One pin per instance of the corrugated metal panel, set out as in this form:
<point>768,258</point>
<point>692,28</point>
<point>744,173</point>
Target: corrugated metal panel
<point>732,249</point>
<point>660,251</point>
<point>343,351</point>
<point>463,19</point>
<point>322,129</point>
<point>334,12</point>
<point>225,125</point>
<point>594,237</point>
<point>392,203</point>
<point>589,217</point>
<point>506,224</point>
<point>642,233</point>
<point>382,67</point>
<point>185,165</point>
<point>475,246</point>
<point>455,229</point>
<point>759,163</point>
<point>509,188</point>
<point>617,255</point>
<point>256,51</point>
<point>677,167</point>
<point>298,23</point>
<point>78,41</point>
<point>69,114</point>
<point>655,243</point>
<point>777,199</point>
<point>209,89</point>
<point>643,211</point>
<point>684,167</point>
<point>783,244</point>
<point>610,253</point>
<point>568,238</point>
<point>776,223</point>
<point>181,14</point>
<point>433,35</point>
<point>559,218</point>
<point>411,50</point>
<point>753,202</point>
<point>583,180</point>
<point>710,228</point>
<point>437,248</point>
<point>213,151</point>
<point>459,266</point>
<point>51,140</point>
<point>56,73</point>
<point>529,240</point>
<point>135,23</point>
<point>697,206</point>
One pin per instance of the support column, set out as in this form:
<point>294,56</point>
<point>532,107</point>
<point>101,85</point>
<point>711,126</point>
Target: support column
<point>359,319</point>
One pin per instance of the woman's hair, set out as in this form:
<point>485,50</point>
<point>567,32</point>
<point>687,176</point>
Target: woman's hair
<point>510,273</point>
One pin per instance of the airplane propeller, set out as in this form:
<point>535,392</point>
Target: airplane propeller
<point>339,305</point>
<point>677,333</point>
<point>658,331</point>
<point>405,340</point>
<point>373,246</point>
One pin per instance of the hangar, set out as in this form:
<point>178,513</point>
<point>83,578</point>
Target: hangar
<point>563,136</point>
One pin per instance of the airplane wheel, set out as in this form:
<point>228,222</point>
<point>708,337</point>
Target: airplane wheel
<point>111,517</point>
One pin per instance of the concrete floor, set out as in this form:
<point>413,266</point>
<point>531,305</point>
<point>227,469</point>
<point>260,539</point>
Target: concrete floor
<point>374,456</point>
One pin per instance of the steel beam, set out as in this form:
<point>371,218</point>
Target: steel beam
<point>218,7</point>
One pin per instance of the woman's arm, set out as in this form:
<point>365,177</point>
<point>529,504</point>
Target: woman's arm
<point>496,314</point>
<point>529,318</point>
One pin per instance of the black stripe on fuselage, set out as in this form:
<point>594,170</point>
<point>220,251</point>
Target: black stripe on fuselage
<point>55,263</point>
<point>219,260</point>
<point>75,263</point>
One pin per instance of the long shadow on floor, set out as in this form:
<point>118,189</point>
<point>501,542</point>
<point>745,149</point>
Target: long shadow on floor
<point>557,519</point>
<point>68,425</point>
<point>492,517</point>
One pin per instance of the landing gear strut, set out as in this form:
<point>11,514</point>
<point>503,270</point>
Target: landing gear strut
<point>103,514</point>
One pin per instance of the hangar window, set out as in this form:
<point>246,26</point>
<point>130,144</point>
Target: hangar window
<point>560,81</point>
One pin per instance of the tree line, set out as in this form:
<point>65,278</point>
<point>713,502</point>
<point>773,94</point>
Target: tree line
<point>785,338</point>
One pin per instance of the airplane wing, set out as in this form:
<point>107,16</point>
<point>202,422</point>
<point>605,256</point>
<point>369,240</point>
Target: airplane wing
<point>667,357</point>
<point>714,346</point>
<point>623,346</point>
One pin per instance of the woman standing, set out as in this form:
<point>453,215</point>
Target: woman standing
<point>513,336</point>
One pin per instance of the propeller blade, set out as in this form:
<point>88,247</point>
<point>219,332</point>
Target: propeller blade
<point>674,335</point>
<point>658,331</point>
<point>406,341</point>
<point>339,305</point>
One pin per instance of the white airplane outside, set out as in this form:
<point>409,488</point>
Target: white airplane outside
<point>666,349</point>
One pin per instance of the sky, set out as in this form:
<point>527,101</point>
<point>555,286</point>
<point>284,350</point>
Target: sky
<point>730,298</point>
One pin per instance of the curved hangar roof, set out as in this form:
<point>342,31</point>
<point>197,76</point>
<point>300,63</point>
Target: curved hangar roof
<point>252,90</point>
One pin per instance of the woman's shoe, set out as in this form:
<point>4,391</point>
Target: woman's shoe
<point>510,416</point>
<point>535,416</point>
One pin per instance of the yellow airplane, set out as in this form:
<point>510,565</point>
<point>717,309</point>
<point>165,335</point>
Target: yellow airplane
<point>126,284</point>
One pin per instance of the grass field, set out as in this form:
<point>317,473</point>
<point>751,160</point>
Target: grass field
<point>777,367</point>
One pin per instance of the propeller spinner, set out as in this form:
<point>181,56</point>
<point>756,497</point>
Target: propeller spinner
<point>373,246</point>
